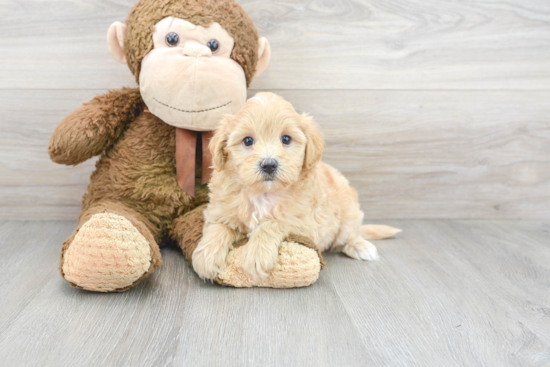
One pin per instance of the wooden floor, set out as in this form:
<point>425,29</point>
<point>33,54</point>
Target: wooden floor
<point>445,293</point>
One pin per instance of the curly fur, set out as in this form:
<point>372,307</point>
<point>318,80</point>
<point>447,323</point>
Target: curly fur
<point>303,195</point>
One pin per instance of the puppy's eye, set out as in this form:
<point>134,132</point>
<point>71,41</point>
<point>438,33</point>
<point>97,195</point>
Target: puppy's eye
<point>248,141</point>
<point>172,39</point>
<point>213,45</point>
<point>286,139</point>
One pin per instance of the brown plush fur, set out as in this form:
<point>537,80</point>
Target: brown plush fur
<point>228,13</point>
<point>188,230</point>
<point>135,176</point>
<point>139,170</point>
<point>95,126</point>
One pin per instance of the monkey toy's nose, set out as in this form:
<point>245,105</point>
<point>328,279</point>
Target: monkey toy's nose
<point>268,165</point>
<point>196,50</point>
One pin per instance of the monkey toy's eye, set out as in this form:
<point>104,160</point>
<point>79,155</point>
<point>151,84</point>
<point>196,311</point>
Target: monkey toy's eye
<point>248,141</point>
<point>286,139</point>
<point>172,39</point>
<point>213,45</point>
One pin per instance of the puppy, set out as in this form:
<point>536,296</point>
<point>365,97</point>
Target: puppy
<point>269,181</point>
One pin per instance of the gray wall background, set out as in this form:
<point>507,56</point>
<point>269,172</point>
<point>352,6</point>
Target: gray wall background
<point>432,108</point>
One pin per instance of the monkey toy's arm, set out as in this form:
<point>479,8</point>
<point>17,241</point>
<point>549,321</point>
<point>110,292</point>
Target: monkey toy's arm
<point>96,125</point>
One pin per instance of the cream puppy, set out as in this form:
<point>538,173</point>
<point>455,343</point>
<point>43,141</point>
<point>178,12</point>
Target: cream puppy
<point>269,181</point>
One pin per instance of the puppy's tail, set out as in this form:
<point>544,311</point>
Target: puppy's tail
<point>378,231</point>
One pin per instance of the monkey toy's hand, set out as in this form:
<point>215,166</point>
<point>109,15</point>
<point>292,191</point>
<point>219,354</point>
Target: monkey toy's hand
<point>90,129</point>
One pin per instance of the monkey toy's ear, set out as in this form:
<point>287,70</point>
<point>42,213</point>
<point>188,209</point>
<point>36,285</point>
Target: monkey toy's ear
<point>264,53</point>
<point>115,40</point>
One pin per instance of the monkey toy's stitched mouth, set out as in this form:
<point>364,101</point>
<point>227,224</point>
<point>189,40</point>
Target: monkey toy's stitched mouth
<point>192,111</point>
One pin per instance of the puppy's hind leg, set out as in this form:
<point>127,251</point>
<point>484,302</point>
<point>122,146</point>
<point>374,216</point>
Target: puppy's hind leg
<point>359,248</point>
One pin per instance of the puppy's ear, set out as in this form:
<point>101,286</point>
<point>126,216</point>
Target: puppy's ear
<point>218,143</point>
<point>314,144</point>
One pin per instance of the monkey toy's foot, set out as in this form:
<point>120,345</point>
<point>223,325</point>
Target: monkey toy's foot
<point>299,262</point>
<point>107,254</point>
<point>298,266</point>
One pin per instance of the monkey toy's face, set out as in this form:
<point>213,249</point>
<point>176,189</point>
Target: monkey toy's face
<point>188,79</point>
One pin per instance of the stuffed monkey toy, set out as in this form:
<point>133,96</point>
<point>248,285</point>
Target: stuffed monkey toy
<point>193,61</point>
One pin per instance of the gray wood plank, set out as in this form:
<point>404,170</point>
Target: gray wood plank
<point>173,318</point>
<point>444,293</point>
<point>24,246</point>
<point>410,154</point>
<point>462,293</point>
<point>344,44</point>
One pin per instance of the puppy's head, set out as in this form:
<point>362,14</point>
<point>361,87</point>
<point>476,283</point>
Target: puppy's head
<point>267,145</point>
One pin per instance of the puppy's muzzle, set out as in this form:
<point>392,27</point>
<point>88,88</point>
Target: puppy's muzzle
<point>269,166</point>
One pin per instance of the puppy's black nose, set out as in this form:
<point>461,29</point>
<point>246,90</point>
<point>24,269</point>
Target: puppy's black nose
<point>268,165</point>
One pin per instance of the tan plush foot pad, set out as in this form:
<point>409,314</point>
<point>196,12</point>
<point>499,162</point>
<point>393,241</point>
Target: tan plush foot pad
<point>107,253</point>
<point>299,266</point>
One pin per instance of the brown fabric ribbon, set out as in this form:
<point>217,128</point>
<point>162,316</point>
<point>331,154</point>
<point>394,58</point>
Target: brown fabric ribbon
<point>186,150</point>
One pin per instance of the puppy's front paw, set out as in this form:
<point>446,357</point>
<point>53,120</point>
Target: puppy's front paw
<point>258,259</point>
<point>361,249</point>
<point>208,260</point>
